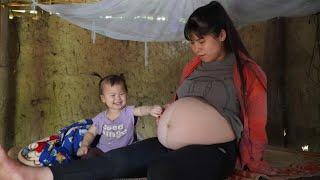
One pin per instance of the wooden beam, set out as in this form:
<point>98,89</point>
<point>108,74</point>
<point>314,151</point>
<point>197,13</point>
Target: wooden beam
<point>275,69</point>
<point>4,71</point>
<point>14,4</point>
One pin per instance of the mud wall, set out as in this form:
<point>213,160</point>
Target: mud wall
<point>54,86</point>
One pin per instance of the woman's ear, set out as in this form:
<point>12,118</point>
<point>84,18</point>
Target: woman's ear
<point>222,35</point>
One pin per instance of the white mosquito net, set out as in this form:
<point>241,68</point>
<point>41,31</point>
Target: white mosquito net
<point>164,20</point>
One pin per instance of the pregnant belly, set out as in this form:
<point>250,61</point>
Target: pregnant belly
<point>190,121</point>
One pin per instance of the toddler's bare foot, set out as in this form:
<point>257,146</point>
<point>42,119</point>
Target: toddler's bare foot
<point>9,169</point>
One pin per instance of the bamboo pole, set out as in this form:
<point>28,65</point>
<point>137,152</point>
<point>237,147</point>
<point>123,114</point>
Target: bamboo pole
<point>4,71</point>
<point>18,4</point>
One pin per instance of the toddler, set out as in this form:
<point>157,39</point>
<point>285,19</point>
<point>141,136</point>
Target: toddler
<point>116,123</point>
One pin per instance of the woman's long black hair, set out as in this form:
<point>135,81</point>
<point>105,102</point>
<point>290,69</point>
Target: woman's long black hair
<point>211,19</point>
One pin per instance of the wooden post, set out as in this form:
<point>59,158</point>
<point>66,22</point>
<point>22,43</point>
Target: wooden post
<point>274,61</point>
<point>4,71</point>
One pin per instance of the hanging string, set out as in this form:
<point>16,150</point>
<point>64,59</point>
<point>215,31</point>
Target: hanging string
<point>93,32</point>
<point>33,5</point>
<point>145,54</point>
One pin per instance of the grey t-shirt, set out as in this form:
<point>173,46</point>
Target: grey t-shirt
<point>213,82</point>
<point>116,133</point>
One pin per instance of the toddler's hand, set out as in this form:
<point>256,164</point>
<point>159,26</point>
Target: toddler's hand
<point>156,111</point>
<point>83,150</point>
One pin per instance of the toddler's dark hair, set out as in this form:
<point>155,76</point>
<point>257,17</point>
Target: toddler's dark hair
<point>112,80</point>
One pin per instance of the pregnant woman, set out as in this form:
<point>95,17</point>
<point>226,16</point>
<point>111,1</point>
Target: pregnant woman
<point>219,115</point>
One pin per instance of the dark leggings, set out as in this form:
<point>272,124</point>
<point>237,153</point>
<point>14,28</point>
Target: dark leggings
<point>149,158</point>
<point>93,152</point>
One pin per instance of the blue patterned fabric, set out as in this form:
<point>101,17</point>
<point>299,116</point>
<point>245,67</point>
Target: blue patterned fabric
<point>65,149</point>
